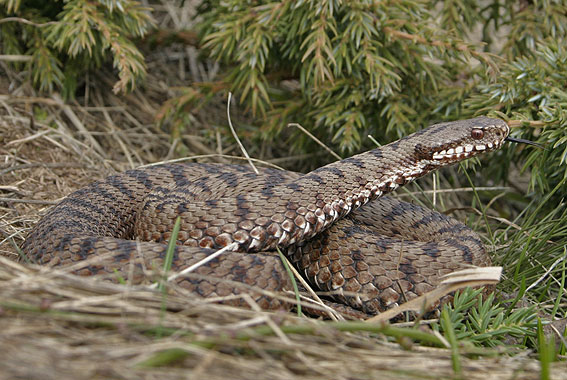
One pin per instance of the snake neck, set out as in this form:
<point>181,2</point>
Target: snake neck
<point>279,213</point>
<point>316,200</point>
<point>333,191</point>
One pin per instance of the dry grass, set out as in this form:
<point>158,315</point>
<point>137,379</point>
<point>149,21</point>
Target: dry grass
<point>58,326</point>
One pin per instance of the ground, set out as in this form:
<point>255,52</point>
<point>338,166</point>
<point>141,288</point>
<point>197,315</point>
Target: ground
<point>56,325</point>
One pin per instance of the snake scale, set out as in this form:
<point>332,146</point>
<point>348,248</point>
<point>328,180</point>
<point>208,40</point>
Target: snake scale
<point>334,223</point>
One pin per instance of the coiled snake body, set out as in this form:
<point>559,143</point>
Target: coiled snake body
<point>333,222</point>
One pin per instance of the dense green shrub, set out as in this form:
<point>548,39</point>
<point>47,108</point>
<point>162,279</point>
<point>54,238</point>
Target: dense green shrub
<point>58,41</point>
<point>387,68</point>
<point>361,67</point>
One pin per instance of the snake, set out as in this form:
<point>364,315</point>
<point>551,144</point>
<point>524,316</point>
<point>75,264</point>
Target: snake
<point>335,224</point>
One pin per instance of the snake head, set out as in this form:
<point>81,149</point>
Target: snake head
<point>447,143</point>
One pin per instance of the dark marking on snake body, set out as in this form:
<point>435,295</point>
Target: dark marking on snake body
<point>355,162</point>
<point>315,178</point>
<point>377,153</point>
<point>294,186</point>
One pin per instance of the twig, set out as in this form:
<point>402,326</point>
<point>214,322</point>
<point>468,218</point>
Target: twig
<point>483,56</point>
<point>30,138</point>
<point>15,57</point>
<point>267,163</point>
<point>522,123</point>
<point>254,306</point>
<point>78,124</point>
<point>27,22</point>
<point>236,136</point>
<point>42,165</point>
<point>434,191</point>
<point>460,189</point>
<point>297,125</point>
<point>371,138</point>
<point>451,282</point>
<point>31,201</point>
<point>200,263</point>
<point>548,271</point>
<point>330,312</point>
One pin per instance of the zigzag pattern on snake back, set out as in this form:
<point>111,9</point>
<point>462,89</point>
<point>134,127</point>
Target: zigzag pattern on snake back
<point>333,222</point>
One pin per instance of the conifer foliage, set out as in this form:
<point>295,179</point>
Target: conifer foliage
<point>361,66</point>
<point>58,41</point>
<point>388,67</point>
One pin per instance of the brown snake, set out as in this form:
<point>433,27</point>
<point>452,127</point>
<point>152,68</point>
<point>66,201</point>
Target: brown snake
<point>333,222</point>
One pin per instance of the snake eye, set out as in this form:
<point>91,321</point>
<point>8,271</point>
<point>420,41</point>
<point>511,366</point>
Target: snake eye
<point>477,134</point>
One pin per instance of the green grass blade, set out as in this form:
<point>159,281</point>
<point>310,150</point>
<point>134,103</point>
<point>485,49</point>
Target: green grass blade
<point>292,278</point>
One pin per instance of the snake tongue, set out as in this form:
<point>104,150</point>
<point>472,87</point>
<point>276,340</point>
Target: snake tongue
<point>522,141</point>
